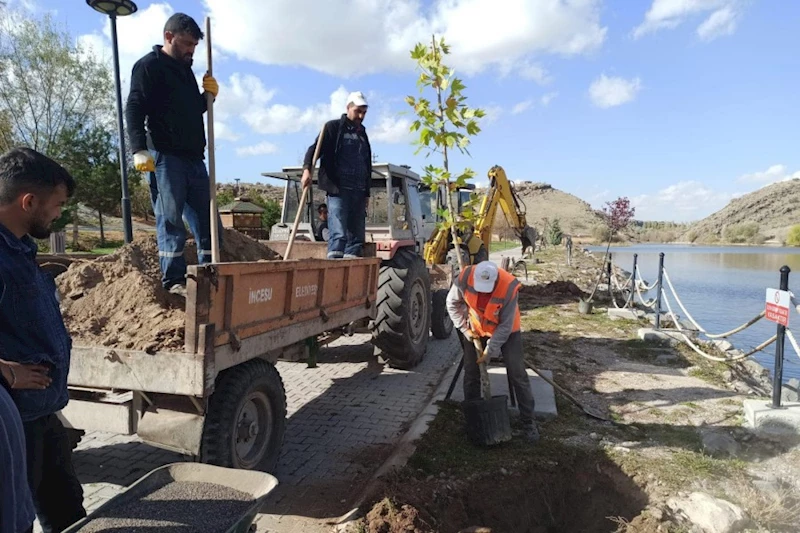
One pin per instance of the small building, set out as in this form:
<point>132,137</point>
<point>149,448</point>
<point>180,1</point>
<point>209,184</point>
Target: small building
<point>245,217</point>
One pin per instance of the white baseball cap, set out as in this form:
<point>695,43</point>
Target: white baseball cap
<point>485,276</point>
<point>357,98</point>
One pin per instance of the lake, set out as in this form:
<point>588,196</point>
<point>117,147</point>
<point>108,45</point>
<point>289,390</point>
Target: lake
<point>723,287</point>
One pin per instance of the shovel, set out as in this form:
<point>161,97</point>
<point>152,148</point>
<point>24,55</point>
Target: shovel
<point>594,413</point>
<point>304,197</point>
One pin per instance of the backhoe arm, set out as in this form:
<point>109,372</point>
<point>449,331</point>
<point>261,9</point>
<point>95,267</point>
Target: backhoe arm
<point>500,193</point>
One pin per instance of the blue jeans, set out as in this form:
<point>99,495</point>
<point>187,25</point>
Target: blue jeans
<point>346,224</point>
<point>179,190</point>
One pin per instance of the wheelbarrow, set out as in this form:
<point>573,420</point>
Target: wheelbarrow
<point>132,510</point>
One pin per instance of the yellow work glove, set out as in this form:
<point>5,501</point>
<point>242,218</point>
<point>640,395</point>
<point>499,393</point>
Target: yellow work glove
<point>210,85</point>
<point>143,161</point>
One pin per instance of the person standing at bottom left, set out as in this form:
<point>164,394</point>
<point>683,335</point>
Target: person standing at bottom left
<point>34,342</point>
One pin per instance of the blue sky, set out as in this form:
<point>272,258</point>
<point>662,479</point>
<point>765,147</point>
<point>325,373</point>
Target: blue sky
<point>680,105</point>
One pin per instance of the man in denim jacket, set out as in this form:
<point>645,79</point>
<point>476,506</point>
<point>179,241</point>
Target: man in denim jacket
<point>34,343</point>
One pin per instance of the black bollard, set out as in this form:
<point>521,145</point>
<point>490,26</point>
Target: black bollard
<point>631,298</point>
<point>658,288</point>
<point>608,274</point>
<point>777,382</point>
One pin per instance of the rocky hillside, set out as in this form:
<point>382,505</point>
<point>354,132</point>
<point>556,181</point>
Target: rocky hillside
<point>542,202</point>
<point>268,192</point>
<point>774,208</point>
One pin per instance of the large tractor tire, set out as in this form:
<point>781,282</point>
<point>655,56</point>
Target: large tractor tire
<point>401,327</point>
<point>246,419</point>
<point>441,323</point>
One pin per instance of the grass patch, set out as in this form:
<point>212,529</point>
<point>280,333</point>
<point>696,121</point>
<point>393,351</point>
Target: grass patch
<point>709,371</point>
<point>679,467</point>
<point>445,448</point>
<point>499,246</point>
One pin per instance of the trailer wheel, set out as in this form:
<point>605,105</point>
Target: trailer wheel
<point>404,316</point>
<point>246,418</point>
<point>441,323</point>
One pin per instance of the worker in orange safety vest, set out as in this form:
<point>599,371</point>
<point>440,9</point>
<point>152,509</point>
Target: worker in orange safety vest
<point>483,303</point>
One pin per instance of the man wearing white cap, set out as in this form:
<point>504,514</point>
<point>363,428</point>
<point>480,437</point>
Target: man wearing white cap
<point>344,173</point>
<point>483,303</point>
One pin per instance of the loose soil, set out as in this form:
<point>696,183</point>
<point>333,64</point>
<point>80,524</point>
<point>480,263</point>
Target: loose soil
<point>117,300</point>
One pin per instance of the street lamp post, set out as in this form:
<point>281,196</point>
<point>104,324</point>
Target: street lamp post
<point>114,9</point>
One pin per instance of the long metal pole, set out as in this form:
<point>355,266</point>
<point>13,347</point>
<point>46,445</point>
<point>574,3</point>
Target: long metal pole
<point>212,165</point>
<point>123,167</point>
<point>777,382</point>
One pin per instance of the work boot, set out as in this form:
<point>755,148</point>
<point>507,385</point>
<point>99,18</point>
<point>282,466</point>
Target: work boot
<point>530,432</point>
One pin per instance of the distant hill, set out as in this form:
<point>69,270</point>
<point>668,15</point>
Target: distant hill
<point>542,201</point>
<point>774,209</point>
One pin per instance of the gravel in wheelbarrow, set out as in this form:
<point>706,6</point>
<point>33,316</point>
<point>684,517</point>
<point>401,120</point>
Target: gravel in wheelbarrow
<point>178,506</point>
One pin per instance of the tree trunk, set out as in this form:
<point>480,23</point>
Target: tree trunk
<point>75,231</point>
<point>102,233</point>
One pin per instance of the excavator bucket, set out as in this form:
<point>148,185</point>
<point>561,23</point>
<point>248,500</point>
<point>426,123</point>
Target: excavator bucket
<point>528,236</point>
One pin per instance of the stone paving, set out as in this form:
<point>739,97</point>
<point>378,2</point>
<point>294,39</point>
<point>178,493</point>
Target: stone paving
<point>343,418</point>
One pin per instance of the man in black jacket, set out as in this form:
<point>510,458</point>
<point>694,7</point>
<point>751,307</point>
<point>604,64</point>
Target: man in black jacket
<point>344,173</point>
<point>165,93</point>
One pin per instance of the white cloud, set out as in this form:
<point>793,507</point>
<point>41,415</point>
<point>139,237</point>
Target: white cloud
<point>522,107</point>
<point>390,130</point>
<point>720,22</point>
<point>669,14</point>
<point>773,174</point>
<point>547,98</point>
<point>681,202</point>
<point>608,91</point>
<point>493,113</point>
<point>345,48</point>
<point>525,70</point>
<point>223,132</point>
<point>262,148</point>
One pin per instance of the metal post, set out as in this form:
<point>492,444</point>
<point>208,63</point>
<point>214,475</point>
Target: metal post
<point>633,281</point>
<point>608,275</point>
<point>658,287</point>
<point>123,167</point>
<point>777,382</point>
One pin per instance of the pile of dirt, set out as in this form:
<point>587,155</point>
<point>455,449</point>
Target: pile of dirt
<point>554,290</point>
<point>386,517</point>
<point>118,301</point>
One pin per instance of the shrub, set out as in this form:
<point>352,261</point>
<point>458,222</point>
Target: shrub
<point>793,238</point>
<point>746,232</point>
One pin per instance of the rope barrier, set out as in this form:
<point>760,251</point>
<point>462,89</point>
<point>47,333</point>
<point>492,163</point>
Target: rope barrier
<point>641,298</point>
<point>694,347</point>
<point>794,342</point>
<point>701,328</point>
<point>641,278</point>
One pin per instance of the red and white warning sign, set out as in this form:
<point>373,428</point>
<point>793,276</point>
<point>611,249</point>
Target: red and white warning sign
<point>778,303</point>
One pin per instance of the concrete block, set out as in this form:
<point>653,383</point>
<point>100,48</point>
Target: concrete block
<point>760,415</point>
<point>543,395</point>
<point>658,336</point>
<point>625,314</point>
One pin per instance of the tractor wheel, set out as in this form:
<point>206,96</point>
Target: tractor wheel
<point>441,323</point>
<point>401,327</point>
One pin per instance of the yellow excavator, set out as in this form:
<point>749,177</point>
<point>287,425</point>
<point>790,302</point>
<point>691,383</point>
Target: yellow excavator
<point>474,242</point>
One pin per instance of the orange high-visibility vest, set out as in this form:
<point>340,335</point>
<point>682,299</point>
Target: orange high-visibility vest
<point>484,323</point>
